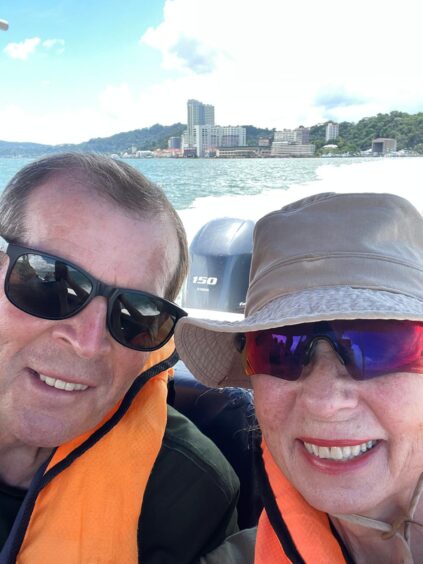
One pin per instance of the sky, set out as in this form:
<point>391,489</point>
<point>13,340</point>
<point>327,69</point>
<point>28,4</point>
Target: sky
<point>72,70</point>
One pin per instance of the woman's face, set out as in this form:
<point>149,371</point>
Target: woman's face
<point>348,446</point>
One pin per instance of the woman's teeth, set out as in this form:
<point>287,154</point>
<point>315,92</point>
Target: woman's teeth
<point>61,384</point>
<point>339,453</point>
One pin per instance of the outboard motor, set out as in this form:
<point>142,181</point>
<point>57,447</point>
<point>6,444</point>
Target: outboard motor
<point>220,265</point>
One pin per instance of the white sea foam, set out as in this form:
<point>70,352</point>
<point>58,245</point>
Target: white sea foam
<point>402,176</point>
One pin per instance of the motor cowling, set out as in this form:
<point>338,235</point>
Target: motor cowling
<point>220,264</point>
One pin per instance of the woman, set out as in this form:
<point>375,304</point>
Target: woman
<point>332,345</point>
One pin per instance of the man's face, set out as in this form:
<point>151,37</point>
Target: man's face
<point>63,218</point>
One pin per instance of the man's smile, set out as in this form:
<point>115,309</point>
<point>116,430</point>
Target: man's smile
<point>61,384</point>
<point>66,384</point>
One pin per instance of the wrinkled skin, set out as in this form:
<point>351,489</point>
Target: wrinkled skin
<point>327,404</point>
<point>119,248</point>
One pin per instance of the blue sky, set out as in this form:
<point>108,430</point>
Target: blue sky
<point>72,69</point>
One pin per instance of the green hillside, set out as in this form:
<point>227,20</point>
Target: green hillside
<point>407,129</point>
<point>253,134</point>
<point>149,138</point>
<point>143,139</point>
<point>8,149</point>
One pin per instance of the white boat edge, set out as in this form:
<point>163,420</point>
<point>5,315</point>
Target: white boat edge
<point>213,314</point>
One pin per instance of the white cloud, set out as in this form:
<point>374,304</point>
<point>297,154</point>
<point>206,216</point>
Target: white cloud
<point>271,63</point>
<point>28,46</point>
<point>278,63</point>
<point>23,49</point>
<point>52,42</point>
<point>116,100</point>
<point>59,45</point>
<point>54,127</point>
<point>119,108</point>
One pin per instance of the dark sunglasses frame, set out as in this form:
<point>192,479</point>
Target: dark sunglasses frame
<point>111,293</point>
<point>309,334</point>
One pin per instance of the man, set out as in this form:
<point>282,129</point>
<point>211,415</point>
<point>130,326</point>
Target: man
<point>93,466</point>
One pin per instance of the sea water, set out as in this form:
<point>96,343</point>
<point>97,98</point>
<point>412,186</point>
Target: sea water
<point>205,189</point>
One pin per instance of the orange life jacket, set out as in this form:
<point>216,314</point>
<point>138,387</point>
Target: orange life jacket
<point>308,529</point>
<point>88,500</point>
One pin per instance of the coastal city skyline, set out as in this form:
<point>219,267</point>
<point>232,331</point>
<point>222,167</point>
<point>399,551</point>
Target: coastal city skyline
<point>393,134</point>
<point>72,71</point>
<point>204,138</point>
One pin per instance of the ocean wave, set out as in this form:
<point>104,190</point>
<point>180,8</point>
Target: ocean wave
<point>401,176</point>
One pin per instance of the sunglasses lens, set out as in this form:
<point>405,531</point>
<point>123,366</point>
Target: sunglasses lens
<point>46,287</point>
<point>367,348</point>
<point>375,348</point>
<point>140,321</point>
<point>275,352</point>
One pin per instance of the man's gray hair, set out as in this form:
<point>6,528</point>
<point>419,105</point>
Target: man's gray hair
<point>112,179</point>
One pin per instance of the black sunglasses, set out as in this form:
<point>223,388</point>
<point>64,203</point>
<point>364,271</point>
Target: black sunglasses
<point>50,287</point>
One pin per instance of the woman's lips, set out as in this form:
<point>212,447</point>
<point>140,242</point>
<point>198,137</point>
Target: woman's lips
<point>338,455</point>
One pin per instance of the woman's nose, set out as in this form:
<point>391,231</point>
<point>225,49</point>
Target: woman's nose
<point>328,391</point>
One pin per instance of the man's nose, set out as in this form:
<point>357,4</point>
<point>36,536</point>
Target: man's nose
<point>86,331</point>
<point>328,390</point>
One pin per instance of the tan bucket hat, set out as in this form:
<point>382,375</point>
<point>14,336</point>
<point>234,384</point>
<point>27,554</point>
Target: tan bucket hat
<point>328,256</point>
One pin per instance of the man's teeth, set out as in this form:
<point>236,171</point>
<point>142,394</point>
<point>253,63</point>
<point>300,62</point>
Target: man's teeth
<point>61,384</point>
<point>339,453</point>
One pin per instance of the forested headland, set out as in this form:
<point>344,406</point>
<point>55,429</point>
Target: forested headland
<point>407,129</point>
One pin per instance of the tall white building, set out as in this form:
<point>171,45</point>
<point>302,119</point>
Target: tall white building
<point>208,114</point>
<point>197,114</point>
<point>332,131</point>
<point>210,137</point>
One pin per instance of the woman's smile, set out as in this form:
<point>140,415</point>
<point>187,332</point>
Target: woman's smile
<point>339,451</point>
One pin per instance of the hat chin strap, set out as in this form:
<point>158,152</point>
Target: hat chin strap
<point>400,528</point>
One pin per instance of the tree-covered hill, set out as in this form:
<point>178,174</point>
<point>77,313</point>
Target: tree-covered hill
<point>8,149</point>
<point>152,137</point>
<point>407,129</point>
<point>148,138</point>
<point>254,133</point>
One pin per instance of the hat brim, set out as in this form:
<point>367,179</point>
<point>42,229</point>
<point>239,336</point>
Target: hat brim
<point>207,347</point>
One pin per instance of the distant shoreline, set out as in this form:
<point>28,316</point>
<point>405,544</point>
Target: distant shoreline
<point>353,139</point>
